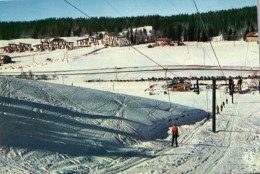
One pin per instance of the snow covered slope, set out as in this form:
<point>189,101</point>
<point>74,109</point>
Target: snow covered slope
<point>51,128</point>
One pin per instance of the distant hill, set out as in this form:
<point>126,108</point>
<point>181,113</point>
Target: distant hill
<point>233,24</point>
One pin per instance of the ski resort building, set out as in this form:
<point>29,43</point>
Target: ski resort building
<point>83,42</point>
<point>252,37</point>
<point>25,47</point>
<point>110,39</point>
<point>162,41</point>
<point>21,47</point>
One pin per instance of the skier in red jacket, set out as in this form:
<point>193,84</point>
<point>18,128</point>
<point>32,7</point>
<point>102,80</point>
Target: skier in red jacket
<point>217,109</point>
<point>175,134</point>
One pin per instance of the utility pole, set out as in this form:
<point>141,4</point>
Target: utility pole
<point>232,91</point>
<point>214,105</point>
<point>198,88</point>
<point>230,86</point>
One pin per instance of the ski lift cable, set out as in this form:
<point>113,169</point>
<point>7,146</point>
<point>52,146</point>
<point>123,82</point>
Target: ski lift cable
<point>117,11</point>
<point>130,45</point>
<point>209,41</point>
<point>174,6</point>
<point>134,21</point>
<point>168,91</point>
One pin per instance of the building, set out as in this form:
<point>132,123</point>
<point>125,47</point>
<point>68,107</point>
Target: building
<point>69,45</point>
<point>113,40</point>
<point>162,41</point>
<point>122,41</point>
<point>83,42</point>
<point>25,47</point>
<point>252,37</point>
<point>4,59</point>
<point>181,87</point>
<point>38,47</point>
<point>58,43</point>
<point>175,43</point>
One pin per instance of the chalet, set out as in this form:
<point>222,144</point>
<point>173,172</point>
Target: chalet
<point>46,46</point>
<point>4,59</point>
<point>181,87</point>
<point>162,41</point>
<point>252,37</point>
<point>83,42</point>
<point>58,43</point>
<point>69,45</point>
<point>13,47</point>
<point>110,39</point>
<point>122,41</point>
<point>175,43</point>
<point>39,47</point>
<point>7,49</point>
<point>25,47</point>
<point>92,40</point>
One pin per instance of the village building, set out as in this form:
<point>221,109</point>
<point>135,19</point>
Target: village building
<point>25,47</point>
<point>110,39</point>
<point>83,42</point>
<point>4,59</point>
<point>93,40</point>
<point>252,37</point>
<point>58,43</point>
<point>175,43</point>
<point>38,47</point>
<point>46,46</point>
<point>69,45</point>
<point>181,87</point>
<point>7,49</point>
<point>162,41</point>
<point>122,41</point>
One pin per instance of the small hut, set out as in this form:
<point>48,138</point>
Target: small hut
<point>252,37</point>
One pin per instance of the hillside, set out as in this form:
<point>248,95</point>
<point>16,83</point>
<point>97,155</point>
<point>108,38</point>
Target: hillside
<point>57,129</point>
<point>233,24</point>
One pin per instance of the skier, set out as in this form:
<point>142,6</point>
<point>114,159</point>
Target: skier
<point>175,134</point>
<point>223,104</point>
<point>226,101</point>
<point>217,109</point>
<point>221,107</point>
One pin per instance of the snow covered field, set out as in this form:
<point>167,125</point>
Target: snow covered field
<point>54,128</point>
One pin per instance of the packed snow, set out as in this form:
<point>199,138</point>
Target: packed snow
<point>118,127</point>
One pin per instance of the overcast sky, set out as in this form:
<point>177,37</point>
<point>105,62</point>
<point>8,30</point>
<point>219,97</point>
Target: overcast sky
<point>27,10</point>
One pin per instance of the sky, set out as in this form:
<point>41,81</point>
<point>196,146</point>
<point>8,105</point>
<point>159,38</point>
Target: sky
<point>27,10</point>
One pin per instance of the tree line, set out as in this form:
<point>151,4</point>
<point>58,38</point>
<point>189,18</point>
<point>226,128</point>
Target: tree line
<point>233,24</point>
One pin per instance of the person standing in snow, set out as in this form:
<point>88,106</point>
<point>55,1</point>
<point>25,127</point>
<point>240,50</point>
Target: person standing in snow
<point>226,101</point>
<point>217,109</point>
<point>175,135</point>
<point>223,104</point>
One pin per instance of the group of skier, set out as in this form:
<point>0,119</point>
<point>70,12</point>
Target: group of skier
<point>221,106</point>
<point>175,132</point>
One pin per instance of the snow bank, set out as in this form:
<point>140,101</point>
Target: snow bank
<point>40,118</point>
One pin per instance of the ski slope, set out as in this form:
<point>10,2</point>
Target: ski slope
<point>50,128</point>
